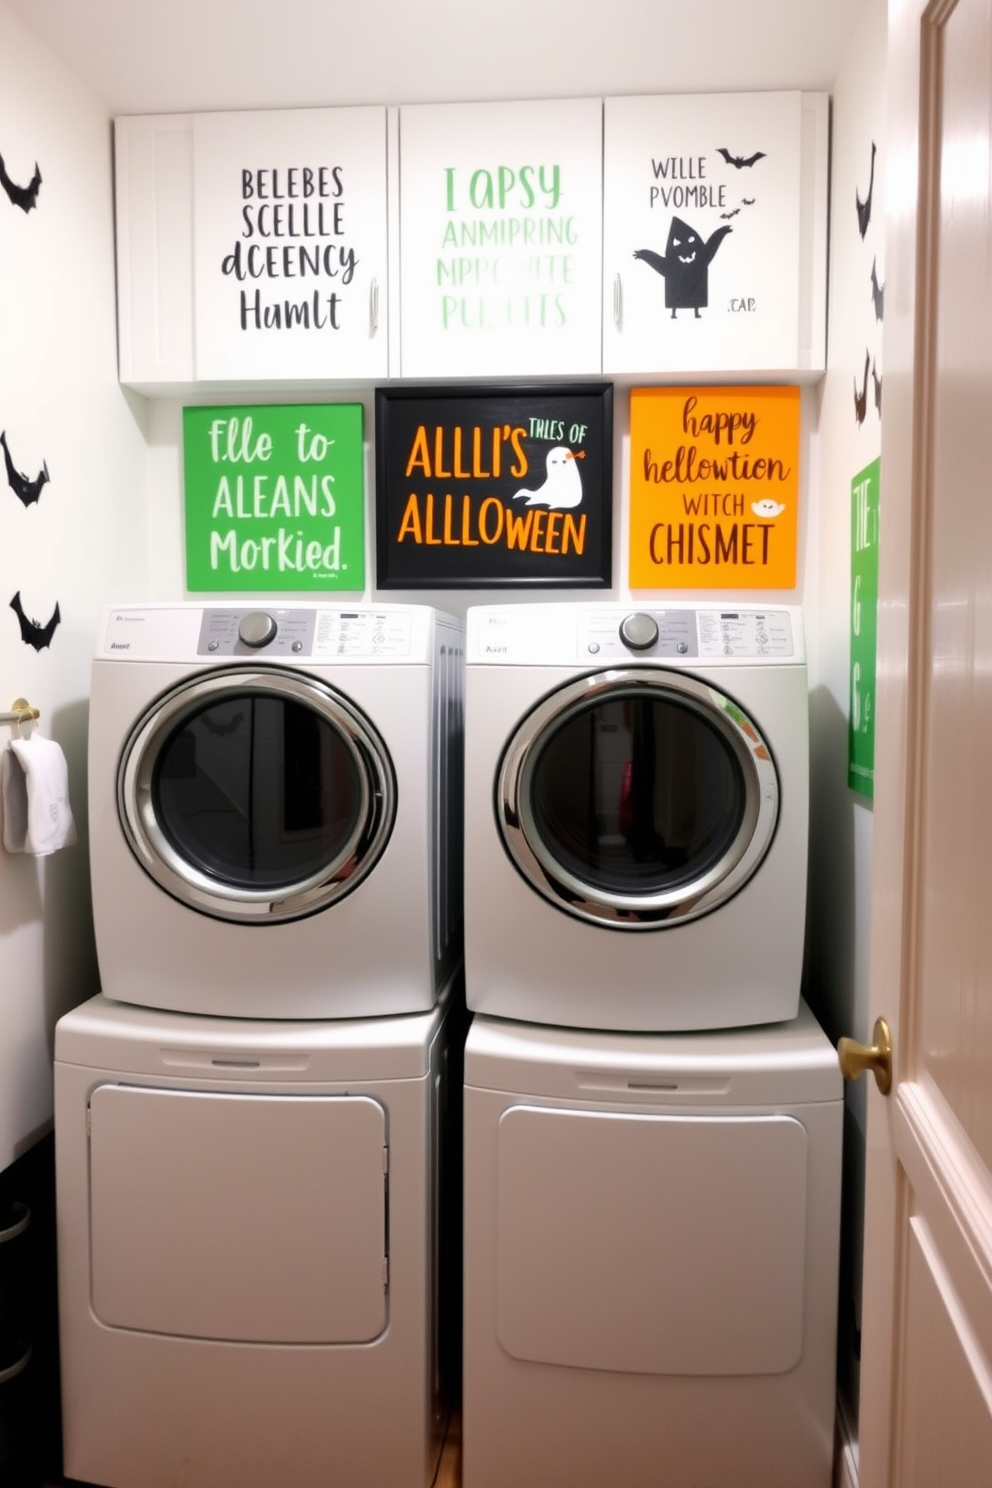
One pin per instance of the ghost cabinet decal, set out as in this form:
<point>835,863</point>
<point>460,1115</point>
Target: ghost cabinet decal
<point>715,235</point>
<point>501,238</point>
<point>685,266</point>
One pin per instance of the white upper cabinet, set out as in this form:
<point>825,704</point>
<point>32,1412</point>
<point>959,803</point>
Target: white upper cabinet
<point>252,246</point>
<point>501,239</point>
<point>657,237</point>
<point>715,235</point>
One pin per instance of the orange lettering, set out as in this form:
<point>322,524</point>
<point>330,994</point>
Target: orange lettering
<point>419,457</point>
<point>520,468</point>
<point>410,522</point>
<point>518,529</point>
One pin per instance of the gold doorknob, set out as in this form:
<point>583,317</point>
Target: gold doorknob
<point>855,1058</point>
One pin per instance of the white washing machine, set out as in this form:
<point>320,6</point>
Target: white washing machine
<point>275,808</point>
<point>248,1222</point>
<point>651,1247</point>
<point>636,799</point>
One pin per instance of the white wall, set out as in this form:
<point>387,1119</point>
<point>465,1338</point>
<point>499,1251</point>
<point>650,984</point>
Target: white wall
<point>841,825</point>
<point>84,541</point>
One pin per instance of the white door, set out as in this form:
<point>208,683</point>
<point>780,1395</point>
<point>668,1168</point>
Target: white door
<point>926,1415</point>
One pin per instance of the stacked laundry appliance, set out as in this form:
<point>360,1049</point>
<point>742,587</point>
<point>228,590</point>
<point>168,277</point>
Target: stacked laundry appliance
<point>250,1117</point>
<point>652,1116</point>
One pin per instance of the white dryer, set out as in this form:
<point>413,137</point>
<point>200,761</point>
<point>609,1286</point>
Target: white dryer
<point>275,808</point>
<point>636,814</point>
<point>651,1249</point>
<point>249,1248</point>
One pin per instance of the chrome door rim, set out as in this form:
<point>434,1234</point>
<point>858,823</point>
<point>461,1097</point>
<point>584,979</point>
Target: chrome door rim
<point>199,890</point>
<point>575,895</point>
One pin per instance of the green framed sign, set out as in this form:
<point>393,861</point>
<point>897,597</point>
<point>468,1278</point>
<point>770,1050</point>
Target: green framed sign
<point>864,608</point>
<point>274,497</point>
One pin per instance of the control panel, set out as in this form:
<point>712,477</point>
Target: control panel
<point>685,634</point>
<point>254,632</point>
<point>297,632</point>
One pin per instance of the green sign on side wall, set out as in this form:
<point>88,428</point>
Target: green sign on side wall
<point>864,605</point>
<point>274,497</point>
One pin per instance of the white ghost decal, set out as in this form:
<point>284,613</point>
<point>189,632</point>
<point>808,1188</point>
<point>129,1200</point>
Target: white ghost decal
<point>767,509</point>
<point>563,487</point>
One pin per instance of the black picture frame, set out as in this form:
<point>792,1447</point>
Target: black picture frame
<point>466,497</point>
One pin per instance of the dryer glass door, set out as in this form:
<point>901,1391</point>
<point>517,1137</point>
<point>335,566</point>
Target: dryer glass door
<point>637,798</point>
<point>258,796</point>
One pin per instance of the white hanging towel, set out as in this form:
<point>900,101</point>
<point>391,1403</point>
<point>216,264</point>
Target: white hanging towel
<point>34,780</point>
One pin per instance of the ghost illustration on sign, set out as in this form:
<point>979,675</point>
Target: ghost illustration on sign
<point>767,509</point>
<point>685,265</point>
<point>563,486</point>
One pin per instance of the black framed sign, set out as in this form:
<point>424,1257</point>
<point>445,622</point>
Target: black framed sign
<point>486,487</point>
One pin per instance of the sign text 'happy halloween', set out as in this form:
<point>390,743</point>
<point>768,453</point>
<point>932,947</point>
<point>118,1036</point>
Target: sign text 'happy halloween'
<point>714,487</point>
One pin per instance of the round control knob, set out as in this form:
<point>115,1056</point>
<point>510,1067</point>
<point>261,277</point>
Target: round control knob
<point>256,628</point>
<point>639,632</point>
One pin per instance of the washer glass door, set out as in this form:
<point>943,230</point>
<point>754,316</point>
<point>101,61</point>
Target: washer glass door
<point>637,798</point>
<point>256,795</point>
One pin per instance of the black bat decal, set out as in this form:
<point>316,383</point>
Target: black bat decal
<point>740,161</point>
<point>861,399</point>
<point>733,213</point>
<point>877,386</point>
<point>26,489</point>
<point>33,634</point>
<point>24,197</point>
<point>864,207</point>
<point>747,201</point>
<point>877,293</point>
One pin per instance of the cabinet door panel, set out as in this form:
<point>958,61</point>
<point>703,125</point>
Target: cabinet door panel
<point>501,238</point>
<point>153,163</point>
<point>238,1217</point>
<point>290,244</point>
<point>715,234</point>
<point>652,1244</point>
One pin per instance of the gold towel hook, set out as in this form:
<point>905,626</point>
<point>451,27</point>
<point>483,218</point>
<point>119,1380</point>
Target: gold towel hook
<point>21,711</point>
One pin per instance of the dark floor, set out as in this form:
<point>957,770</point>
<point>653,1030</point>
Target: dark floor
<point>30,1438</point>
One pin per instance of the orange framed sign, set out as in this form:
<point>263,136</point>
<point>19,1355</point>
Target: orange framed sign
<point>714,487</point>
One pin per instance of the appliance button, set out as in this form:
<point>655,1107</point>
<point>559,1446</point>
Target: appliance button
<point>639,631</point>
<point>256,628</point>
